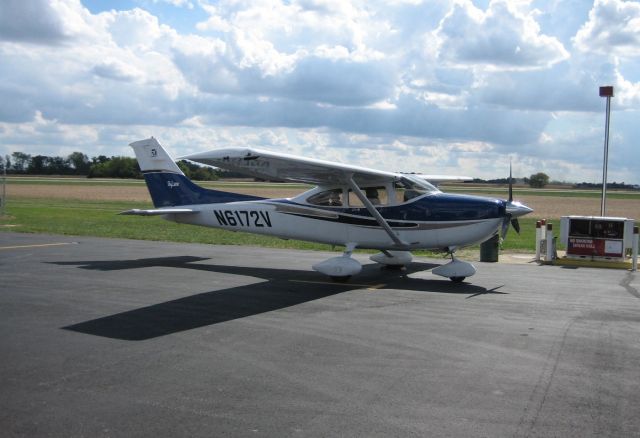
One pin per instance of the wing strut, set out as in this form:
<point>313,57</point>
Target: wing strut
<point>376,214</point>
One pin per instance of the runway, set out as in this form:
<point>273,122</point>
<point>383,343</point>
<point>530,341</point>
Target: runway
<point>108,337</point>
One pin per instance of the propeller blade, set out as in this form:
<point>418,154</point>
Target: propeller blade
<point>516,225</point>
<point>505,226</point>
<point>513,209</point>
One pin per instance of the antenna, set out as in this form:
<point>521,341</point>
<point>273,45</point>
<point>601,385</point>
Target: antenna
<point>510,182</point>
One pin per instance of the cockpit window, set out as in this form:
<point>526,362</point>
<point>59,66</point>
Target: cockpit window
<point>410,187</point>
<point>376,195</point>
<point>331,198</point>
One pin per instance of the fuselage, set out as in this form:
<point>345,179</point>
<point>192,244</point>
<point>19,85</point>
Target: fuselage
<point>432,221</point>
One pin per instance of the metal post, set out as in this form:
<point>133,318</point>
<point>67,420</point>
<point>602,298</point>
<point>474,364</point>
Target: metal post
<point>3,201</point>
<point>538,239</point>
<point>634,262</point>
<point>549,255</point>
<point>607,92</point>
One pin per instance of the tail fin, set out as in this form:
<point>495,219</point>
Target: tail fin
<point>153,158</point>
<point>168,186</point>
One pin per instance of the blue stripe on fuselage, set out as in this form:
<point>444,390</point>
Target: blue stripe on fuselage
<point>447,207</point>
<point>171,189</point>
<point>437,208</point>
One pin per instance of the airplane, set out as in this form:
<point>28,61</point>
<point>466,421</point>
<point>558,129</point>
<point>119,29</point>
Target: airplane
<point>350,206</point>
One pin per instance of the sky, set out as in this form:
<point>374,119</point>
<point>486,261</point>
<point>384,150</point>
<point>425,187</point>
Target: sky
<point>456,87</point>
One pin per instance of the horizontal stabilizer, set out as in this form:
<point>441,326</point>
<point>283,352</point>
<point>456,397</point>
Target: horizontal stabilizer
<point>159,211</point>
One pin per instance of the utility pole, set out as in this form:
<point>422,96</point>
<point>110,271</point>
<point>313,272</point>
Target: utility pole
<point>3,201</point>
<point>606,91</point>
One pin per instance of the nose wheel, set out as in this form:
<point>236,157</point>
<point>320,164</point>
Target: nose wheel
<point>456,270</point>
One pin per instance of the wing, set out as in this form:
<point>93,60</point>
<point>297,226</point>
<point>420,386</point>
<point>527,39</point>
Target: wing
<point>438,179</point>
<point>276,166</point>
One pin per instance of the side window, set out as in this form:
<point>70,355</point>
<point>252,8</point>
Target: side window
<point>406,189</point>
<point>331,198</point>
<point>377,196</point>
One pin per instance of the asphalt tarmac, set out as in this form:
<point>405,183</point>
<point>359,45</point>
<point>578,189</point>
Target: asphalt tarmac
<point>120,338</point>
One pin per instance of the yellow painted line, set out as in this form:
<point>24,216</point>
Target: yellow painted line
<point>368,286</point>
<point>36,246</point>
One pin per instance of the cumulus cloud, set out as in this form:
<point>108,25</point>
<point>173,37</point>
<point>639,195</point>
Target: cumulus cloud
<point>43,22</point>
<point>439,84</point>
<point>35,21</point>
<point>502,37</point>
<point>613,29</point>
<point>117,70</point>
<point>556,89</point>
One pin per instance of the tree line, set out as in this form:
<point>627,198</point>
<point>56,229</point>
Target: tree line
<point>79,164</point>
<point>540,180</point>
<point>537,180</point>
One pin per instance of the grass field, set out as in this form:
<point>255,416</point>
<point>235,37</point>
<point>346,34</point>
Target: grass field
<point>89,207</point>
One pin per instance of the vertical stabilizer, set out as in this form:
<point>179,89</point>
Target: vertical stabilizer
<point>168,186</point>
<point>152,157</point>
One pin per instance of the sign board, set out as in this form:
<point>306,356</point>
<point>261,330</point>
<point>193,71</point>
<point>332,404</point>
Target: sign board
<point>606,91</point>
<point>594,247</point>
<point>596,237</point>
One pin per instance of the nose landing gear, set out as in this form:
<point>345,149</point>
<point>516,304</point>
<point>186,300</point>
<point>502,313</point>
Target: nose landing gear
<point>456,270</point>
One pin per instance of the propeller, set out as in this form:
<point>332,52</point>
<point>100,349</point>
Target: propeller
<point>515,209</point>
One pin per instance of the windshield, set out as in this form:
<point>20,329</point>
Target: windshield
<point>410,187</point>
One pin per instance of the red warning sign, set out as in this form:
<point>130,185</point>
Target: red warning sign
<point>594,247</point>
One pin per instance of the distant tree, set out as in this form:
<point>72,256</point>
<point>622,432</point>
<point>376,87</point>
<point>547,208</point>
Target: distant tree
<point>116,167</point>
<point>5,164</point>
<point>184,166</point>
<point>198,173</point>
<point>21,162</point>
<point>100,159</point>
<point>538,180</point>
<point>57,166</point>
<point>37,165</point>
<point>79,162</point>
<point>204,174</point>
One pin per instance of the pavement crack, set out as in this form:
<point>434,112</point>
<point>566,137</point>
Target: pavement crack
<point>541,389</point>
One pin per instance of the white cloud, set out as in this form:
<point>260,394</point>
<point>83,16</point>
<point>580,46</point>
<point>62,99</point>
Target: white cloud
<point>439,86</point>
<point>504,37</point>
<point>115,69</point>
<point>613,29</point>
<point>135,29</point>
<point>49,22</point>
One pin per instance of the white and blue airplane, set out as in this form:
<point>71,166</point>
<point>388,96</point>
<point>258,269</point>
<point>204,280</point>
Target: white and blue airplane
<point>350,206</point>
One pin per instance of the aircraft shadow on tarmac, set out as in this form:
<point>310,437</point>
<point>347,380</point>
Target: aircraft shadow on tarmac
<point>283,288</point>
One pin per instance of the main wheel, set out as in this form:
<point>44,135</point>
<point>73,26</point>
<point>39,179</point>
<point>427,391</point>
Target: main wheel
<point>457,279</point>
